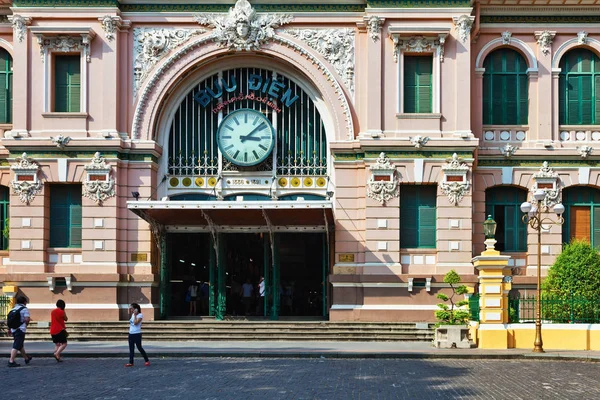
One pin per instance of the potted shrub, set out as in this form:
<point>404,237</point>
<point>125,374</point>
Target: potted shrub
<point>452,329</point>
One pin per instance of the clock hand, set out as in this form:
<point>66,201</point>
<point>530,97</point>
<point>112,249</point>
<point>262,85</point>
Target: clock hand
<point>254,139</point>
<point>243,138</point>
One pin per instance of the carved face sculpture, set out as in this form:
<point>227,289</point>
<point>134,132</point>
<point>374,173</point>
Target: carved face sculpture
<point>243,29</point>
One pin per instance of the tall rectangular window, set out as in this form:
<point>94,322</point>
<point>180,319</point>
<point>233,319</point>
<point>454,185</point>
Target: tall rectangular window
<point>65,215</point>
<point>6,81</point>
<point>67,83</point>
<point>4,207</point>
<point>418,84</point>
<point>418,216</point>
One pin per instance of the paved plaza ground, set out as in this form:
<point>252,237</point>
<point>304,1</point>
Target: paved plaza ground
<point>302,378</point>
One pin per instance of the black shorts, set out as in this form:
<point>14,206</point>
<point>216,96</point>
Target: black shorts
<point>193,298</point>
<point>18,339</point>
<point>60,337</point>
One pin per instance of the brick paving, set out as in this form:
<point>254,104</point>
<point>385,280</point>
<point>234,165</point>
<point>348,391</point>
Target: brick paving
<point>294,378</point>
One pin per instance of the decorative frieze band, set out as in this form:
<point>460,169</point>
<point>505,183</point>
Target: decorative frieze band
<point>66,43</point>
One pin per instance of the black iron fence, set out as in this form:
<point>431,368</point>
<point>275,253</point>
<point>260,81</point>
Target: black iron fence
<point>559,309</point>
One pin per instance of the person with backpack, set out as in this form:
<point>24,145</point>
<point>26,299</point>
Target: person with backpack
<point>17,320</point>
<point>58,329</point>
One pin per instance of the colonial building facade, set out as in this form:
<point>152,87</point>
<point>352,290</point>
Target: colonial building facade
<point>347,151</point>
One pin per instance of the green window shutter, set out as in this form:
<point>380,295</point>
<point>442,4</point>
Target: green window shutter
<point>5,87</point>
<point>418,216</point>
<point>427,227</point>
<point>4,215</point>
<point>596,98</point>
<point>596,227</point>
<point>523,100</point>
<point>503,204</point>
<point>67,82</point>
<point>418,84</point>
<point>65,216</point>
<point>586,99</point>
<point>408,217</point>
<point>578,88</point>
<point>562,96</point>
<point>487,99</point>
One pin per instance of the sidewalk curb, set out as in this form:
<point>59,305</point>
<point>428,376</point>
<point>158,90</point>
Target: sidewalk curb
<point>344,355</point>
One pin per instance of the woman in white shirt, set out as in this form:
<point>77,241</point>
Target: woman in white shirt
<point>135,334</point>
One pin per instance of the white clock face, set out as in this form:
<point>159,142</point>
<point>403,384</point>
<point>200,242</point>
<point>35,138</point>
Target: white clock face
<point>246,137</point>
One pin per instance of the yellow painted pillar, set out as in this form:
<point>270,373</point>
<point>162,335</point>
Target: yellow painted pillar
<point>494,285</point>
<point>11,291</point>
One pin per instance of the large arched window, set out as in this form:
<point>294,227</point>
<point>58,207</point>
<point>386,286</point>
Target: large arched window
<point>5,87</point>
<point>505,88</point>
<point>579,88</point>
<point>503,203</point>
<point>582,214</point>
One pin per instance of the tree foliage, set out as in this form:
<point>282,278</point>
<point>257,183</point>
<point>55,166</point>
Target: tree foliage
<point>576,271</point>
<point>452,314</point>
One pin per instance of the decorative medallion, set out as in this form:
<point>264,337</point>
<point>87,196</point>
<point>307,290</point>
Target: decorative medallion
<point>199,182</point>
<point>582,37</point>
<point>418,141</point>
<point>463,26</point>
<point>66,44</point>
<point>110,25</point>
<point>584,151</point>
<point>242,28</point>
<point>455,183</point>
<point>548,181</point>
<point>60,141</point>
<point>295,182</point>
<point>335,45</point>
<point>19,24</point>
<point>25,182</point>
<point>544,40</point>
<point>506,36</point>
<point>152,44</point>
<point>99,185</point>
<point>321,182</point>
<point>383,182</point>
<point>374,24</point>
<point>508,151</point>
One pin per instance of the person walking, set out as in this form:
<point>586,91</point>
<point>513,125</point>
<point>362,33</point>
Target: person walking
<point>261,297</point>
<point>135,334</point>
<point>58,329</point>
<point>19,332</point>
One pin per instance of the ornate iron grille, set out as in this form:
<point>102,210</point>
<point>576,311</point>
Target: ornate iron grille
<point>301,144</point>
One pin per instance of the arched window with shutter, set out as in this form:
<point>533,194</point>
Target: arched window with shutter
<point>5,87</point>
<point>582,214</point>
<point>505,88</point>
<point>579,88</point>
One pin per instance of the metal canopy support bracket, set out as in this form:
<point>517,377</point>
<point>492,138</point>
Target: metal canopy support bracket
<point>275,261</point>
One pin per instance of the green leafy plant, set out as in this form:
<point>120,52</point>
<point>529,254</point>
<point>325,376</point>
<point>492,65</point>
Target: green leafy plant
<point>452,314</point>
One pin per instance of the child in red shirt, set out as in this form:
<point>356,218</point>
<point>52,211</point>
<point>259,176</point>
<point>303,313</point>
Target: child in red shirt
<point>58,329</point>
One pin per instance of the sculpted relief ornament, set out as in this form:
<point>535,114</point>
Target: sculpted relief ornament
<point>150,45</point>
<point>336,45</point>
<point>19,25</point>
<point>463,26</point>
<point>544,40</point>
<point>99,184</point>
<point>549,181</point>
<point>374,24</point>
<point>419,44</point>
<point>383,183</point>
<point>25,182</point>
<point>455,183</point>
<point>66,44</point>
<point>110,25</point>
<point>242,28</point>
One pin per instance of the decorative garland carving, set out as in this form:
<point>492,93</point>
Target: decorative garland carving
<point>546,176</point>
<point>110,25</point>
<point>385,189</point>
<point>582,37</point>
<point>151,44</point>
<point>336,45</point>
<point>66,44</point>
<point>419,141</point>
<point>185,49</point>
<point>242,28</point>
<point>19,24</point>
<point>26,183</point>
<point>374,24</point>
<point>584,151</point>
<point>455,189</point>
<point>506,36</point>
<point>464,23</point>
<point>98,189</point>
<point>419,44</point>
<point>60,141</point>
<point>544,40</point>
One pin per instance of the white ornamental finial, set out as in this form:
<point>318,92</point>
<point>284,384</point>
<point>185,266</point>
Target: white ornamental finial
<point>242,28</point>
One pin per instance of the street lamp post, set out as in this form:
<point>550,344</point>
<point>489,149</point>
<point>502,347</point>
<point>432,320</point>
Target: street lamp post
<point>533,217</point>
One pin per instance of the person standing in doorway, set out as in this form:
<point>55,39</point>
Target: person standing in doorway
<point>58,329</point>
<point>135,334</point>
<point>247,290</point>
<point>19,332</point>
<point>261,296</point>
<point>193,295</point>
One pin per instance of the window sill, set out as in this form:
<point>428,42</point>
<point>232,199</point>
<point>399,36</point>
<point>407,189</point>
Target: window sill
<point>72,250</point>
<point>418,116</point>
<point>424,250</point>
<point>65,115</point>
